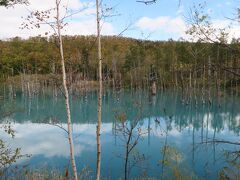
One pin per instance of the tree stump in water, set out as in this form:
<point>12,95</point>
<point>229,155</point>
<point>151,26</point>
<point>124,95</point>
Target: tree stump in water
<point>154,88</point>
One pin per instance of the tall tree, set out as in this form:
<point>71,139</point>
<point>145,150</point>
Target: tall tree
<point>36,19</point>
<point>98,175</point>
<point>66,94</point>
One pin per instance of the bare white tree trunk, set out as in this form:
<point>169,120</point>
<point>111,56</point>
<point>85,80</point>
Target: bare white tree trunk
<point>66,94</point>
<point>98,173</point>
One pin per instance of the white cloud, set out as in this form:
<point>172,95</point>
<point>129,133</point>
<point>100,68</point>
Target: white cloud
<point>164,24</point>
<point>233,29</point>
<point>176,26</point>
<point>82,23</point>
<point>86,27</point>
<point>50,141</point>
<point>152,24</point>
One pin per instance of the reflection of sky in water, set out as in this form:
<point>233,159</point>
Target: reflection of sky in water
<point>187,128</point>
<point>49,147</point>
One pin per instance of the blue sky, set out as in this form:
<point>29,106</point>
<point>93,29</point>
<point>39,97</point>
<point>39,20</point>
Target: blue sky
<point>165,11</point>
<point>160,21</point>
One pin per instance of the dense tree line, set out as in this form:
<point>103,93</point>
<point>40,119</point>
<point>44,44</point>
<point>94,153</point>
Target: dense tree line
<point>126,62</point>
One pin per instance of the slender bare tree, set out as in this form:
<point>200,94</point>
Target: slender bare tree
<point>66,94</point>
<point>36,19</point>
<point>98,173</point>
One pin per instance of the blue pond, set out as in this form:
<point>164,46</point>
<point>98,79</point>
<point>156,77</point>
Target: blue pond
<point>168,137</point>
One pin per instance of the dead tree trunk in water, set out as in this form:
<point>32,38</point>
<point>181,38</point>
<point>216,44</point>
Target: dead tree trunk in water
<point>203,81</point>
<point>66,94</point>
<point>154,88</point>
<point>209,83</point>
<point>98,175</point>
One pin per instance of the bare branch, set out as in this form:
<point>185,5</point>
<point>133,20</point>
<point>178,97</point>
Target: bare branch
<point>147,2</point>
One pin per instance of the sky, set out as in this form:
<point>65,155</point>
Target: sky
<point>163,20</point>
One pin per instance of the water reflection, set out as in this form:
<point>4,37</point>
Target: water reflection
<point>167,127</point>
<point>84,109</point>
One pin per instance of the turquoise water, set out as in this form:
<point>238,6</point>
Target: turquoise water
<point>167,130</point>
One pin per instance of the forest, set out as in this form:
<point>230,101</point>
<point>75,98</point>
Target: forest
<point>127,62</point>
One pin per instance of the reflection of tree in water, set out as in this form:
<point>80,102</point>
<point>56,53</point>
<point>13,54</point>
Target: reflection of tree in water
<point>199,122</point>
<point>171,101</point>
<point>230,153</point>
<point>231,158</point>
<point>171,161</point>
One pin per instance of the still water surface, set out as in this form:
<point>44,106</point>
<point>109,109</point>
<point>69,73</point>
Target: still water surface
<point>168,132</point>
